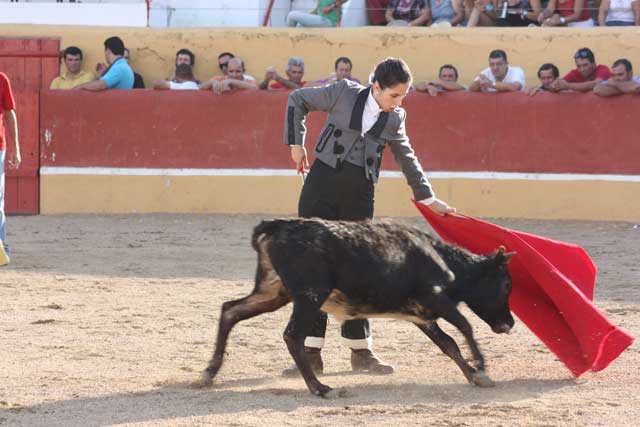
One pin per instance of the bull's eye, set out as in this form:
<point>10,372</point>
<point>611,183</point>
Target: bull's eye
<point>506,286</point>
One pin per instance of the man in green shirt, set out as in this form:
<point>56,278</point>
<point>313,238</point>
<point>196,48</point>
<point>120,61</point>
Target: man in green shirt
<point>326,14</point>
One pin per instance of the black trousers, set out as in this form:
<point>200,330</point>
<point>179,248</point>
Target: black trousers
<point>338,194</point>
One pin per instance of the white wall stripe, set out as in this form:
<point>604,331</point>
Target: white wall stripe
<point>55,170</point>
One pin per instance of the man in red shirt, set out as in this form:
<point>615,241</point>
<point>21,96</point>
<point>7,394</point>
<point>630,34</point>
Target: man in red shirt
<point>7,106</point>
<point>585,76</point>
<point>294,71</point>
<point>376,10</point>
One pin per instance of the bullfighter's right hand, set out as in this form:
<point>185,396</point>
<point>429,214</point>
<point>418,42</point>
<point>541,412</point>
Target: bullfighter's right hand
<point>299,157</point>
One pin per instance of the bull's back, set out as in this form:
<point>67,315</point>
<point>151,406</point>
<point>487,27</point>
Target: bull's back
<point>380,265</point>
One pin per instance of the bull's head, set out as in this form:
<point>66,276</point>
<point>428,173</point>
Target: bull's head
<point>491,294</point>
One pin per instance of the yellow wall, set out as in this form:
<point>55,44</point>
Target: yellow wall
<point>587,200</point>
<point>153,50</point>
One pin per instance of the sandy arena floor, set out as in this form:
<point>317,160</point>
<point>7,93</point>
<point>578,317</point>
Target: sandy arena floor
<point>109,320</point>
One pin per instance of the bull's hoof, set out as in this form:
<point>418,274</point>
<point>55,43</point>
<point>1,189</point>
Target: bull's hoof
<point>481,379</point>
<point>325,391</point>
<point>206,379</point>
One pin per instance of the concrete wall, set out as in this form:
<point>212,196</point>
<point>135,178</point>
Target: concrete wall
<point>94,14</point>
<point>425,49</point>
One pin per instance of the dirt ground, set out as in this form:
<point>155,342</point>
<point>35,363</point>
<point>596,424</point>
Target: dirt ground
<point>109,320</point>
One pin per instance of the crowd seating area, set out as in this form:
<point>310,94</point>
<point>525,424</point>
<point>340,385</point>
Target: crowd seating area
<point>354,13</point>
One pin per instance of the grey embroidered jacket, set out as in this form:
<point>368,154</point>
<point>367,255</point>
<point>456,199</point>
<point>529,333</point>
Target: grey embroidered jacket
<point>341,138</point>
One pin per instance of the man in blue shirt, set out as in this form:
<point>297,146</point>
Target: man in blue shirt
<point>119,75</point>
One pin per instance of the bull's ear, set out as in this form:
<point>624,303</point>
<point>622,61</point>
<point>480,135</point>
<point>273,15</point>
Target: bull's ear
<point>501,257</point>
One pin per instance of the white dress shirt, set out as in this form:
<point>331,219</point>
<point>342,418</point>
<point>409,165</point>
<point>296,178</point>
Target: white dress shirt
<point>369,117</point>
<point>514,75</point>
<point>371,113</point>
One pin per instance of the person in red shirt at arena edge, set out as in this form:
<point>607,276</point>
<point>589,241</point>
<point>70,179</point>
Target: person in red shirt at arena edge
<point>585,76</point>
<point>295,73</point>
<point>8,116</point>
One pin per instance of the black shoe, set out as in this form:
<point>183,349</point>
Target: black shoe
<point>366,361</point>
<point>315,360</point>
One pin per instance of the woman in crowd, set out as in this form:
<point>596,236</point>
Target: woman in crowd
<point>446,13</point>
<point>619,13</point>
<point>410,13</point>
<point>518,13</point>
<point>569,13</point>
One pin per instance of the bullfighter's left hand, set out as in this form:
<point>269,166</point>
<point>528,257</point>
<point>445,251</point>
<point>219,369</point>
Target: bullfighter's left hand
<point>438,206</point>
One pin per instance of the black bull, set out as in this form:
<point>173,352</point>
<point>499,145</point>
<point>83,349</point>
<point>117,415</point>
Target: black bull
<point>365,269</point>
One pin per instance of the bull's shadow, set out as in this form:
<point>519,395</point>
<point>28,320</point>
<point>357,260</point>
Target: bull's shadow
<point>178,401</point>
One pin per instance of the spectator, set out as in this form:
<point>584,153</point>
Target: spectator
<point>518,13</point>
<point>499,76</point>
<point>294,71</point>
<point>235,79</point>
<point>619,13</point>
<point>183,57</point>
<point>447,81</point>
<point>7,109</point>
<point>75,75</point>
<point>223,61</point>
<point>119,75</point>
<point>480,13</point>
<point>570,13</point>
<point>342,67</point>
<point>138,83</point>
<point>621,81</point>
<point>182,80</point>
<point>377,10</point>
<point>547,73</point>
<point>326,14</point>
<point>445,13</point>
<point>412,13</point>
<point>586,74</point>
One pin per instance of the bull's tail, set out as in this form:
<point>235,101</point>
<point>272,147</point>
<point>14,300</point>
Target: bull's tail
<point>265,228</point>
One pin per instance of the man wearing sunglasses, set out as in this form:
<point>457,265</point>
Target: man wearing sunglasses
<point>585,76</point>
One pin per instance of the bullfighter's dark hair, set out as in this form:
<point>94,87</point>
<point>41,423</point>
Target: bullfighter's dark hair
<point>391,72</point>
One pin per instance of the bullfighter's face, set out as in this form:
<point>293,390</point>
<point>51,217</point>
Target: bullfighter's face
<point>390,98</point>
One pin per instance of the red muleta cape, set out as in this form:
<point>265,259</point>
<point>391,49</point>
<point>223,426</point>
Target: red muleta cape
<point>553,284</point>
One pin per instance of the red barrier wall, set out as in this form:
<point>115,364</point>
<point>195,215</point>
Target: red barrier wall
<point>30,65</point>
<point>549,133</point>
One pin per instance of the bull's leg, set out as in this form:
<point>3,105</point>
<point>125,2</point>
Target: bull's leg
<point>451,349</point>
<point>305,310</point>
<point>447,310</point>
<point>232,313</point>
